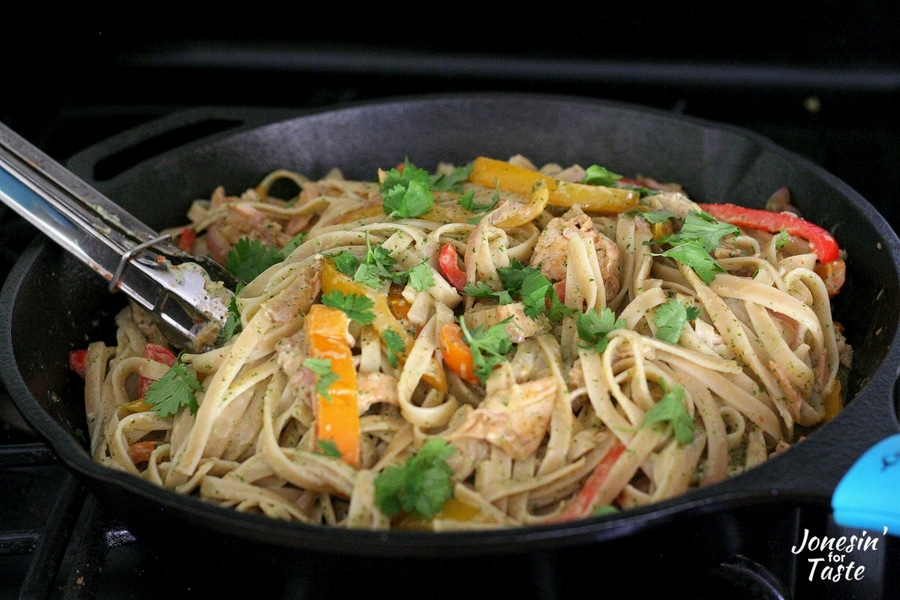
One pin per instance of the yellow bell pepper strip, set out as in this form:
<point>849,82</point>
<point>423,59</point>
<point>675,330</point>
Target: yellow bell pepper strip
<point>583,503</point>
<point>524,213</point>
<point>834,401</point>
<point>491,173</point>
<point>821,240</point>
<point>454,510</point>
<point>337,407</point>
<point>385,320</point>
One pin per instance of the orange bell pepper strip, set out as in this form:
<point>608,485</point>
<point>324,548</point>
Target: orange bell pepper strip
<point>385,320</point>
<point>139,452</point>
<point>457,354</point>
<point>490,172</point>
<point>337,413</point>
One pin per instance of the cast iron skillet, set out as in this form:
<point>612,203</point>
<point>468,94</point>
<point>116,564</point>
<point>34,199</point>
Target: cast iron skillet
<point>52,304</point>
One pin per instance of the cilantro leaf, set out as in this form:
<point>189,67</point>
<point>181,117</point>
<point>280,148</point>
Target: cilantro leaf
<point>324,375</point>
<point>249,258</point>
<point>489,346</point>
<point>293,243</point>
<point>451,181</point>
<point>558,310</point>
<point>328,448</point>
<point>670,408</point>
<point>407,194</point>
<point>421,486</point>
<point>356,306</point>
<point>695,256</point>
<point>670,318</point>
<point>421,277</point>
<point>703,228</point>
<point>593,327</point>
<point>345,262</point>
<point>533,289</point>
<point>482,289</point>
<point>368,274</point>
<point>393,346</point>
<point>232,325</point>
<point>597,175</point>
<point>173,391</point>
<point>467,202</point>
<point>782,239</point>
<point>656,216</point>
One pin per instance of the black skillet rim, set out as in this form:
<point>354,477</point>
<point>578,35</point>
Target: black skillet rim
<point>724,496</point>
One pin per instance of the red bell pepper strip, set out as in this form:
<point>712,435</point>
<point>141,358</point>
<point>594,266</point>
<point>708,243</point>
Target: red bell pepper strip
<point>77,361</point>
<point>584,502</point>
<point>187,238</point>
<point>450,269</point>
<point>821,240</point>
<point>160,354</point>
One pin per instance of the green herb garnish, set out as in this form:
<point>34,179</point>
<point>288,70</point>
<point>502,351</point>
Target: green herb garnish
<point>593,327</point>
<point>421,486</point>
<point>671,409</point>
<point>173,391</point>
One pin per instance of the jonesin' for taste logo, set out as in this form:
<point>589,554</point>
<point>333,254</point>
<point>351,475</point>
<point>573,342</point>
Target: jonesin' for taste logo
<point>829,555</point>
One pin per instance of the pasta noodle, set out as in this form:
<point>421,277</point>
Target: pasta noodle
<point>567,358</point>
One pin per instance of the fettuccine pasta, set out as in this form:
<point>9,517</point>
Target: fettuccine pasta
<point>500,346</point>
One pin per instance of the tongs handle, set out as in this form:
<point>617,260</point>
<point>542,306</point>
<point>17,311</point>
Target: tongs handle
<point>134,258</point>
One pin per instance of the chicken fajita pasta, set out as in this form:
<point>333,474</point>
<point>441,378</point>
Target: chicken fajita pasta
<point>485,345</point>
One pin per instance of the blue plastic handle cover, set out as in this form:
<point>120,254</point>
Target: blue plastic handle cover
<point>868,496</point>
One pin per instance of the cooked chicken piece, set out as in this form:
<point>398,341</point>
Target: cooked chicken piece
<point>552,249</point>
<point>675,202</point>
<point>297,297</point>
<point>513,417</point>
<point>519,328</point>
<point>290,353</point>
<point>376,388</point>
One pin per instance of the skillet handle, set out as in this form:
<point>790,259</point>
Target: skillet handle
<point>105,160</point>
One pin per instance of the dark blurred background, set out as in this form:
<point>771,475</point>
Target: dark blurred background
<point>819,77</point>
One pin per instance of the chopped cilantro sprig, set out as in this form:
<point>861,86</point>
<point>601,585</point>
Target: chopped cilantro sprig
<point>378,266</point>
<point>692,246</point>
<point>324,375</point>
<point>670,319</point>
<point>525,284</point>
<point>355,306</point>
<point>421,486</point>
<point>670,409</point>
<point>407,192</point>
<point>249,258</point>
<point>489,346</point>
<point>594,326</point>
<point>175,390</point>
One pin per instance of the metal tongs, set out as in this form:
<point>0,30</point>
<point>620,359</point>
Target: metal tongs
<point>189,296</point>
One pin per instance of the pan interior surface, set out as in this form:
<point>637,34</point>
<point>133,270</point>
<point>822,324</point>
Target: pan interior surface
<point>713,163</point>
